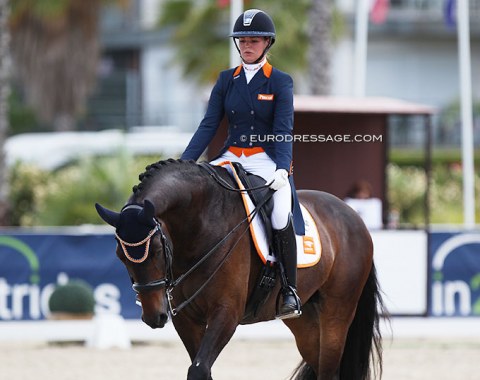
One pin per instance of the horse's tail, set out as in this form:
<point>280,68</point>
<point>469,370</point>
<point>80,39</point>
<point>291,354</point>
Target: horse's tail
<point>362,356</point>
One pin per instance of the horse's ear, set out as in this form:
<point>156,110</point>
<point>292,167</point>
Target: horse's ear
<point>110,217</point>
<point>148,212</point>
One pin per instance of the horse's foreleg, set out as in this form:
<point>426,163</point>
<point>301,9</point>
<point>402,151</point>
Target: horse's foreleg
<point>190,332</point>
<point>221,326</point>
<point>204,342</point>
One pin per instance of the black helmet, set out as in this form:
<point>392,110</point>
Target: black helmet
<point>254,22</point>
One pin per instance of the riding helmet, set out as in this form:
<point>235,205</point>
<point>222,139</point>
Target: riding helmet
<point>254,22</point>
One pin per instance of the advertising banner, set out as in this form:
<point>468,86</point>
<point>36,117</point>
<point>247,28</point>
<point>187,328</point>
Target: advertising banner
<point>455,274</point>
<point>31,265</point>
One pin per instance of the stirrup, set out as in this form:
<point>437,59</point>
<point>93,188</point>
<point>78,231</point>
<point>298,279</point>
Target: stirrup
<point>294,312</point>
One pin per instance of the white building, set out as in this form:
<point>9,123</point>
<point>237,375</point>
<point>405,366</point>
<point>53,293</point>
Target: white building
<point>412,56</point>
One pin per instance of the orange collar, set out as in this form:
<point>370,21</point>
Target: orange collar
<point>267,70</point>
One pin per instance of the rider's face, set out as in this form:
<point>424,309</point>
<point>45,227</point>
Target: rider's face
<point>251,48</point>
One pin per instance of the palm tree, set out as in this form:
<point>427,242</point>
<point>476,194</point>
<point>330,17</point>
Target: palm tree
<point>320,47</point>
<point>200,30</point>
<point>4,94</point>
<point>305,31</point>
<point>55,47</point>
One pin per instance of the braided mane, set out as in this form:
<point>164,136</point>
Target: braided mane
<point>153,169</point>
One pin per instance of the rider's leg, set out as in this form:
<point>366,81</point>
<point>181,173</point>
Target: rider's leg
<point>286,248</point>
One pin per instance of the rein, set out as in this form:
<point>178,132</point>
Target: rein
<point>225,184</point>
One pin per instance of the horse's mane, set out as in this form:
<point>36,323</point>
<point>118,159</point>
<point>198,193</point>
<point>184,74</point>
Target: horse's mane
<point>152,170</point>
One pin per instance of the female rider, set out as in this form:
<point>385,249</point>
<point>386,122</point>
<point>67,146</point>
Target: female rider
<point>258,102</point>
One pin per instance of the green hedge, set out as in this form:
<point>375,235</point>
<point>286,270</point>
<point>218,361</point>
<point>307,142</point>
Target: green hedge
<point>75,297</point>
<point>67,196</point>
<point>416,157</point>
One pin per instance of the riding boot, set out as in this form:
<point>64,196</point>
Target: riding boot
<point>286,248</point>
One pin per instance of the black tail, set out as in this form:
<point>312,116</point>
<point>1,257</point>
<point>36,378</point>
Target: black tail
<point>304,372</point>
<point>362,356</point>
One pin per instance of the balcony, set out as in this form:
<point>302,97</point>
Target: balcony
<point>417,17</point>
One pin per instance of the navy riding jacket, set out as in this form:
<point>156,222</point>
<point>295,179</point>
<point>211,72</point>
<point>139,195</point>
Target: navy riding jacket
<point>260,114</point>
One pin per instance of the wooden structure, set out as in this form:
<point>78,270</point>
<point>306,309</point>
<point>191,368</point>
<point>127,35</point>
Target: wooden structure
<point>339,141</point>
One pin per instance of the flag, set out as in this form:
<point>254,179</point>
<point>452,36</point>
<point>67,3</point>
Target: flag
<point>223,3</point>
<point>450,13</point>
<point>378,13</point>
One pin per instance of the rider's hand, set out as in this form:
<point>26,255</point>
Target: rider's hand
<point>280,179</point>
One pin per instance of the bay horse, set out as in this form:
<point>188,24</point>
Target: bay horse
<point>184,241</point>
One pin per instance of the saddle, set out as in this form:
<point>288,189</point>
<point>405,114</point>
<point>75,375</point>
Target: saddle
<point>262,198</point>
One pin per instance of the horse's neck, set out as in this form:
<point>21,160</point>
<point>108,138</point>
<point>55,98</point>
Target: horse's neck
<point>197,212</point>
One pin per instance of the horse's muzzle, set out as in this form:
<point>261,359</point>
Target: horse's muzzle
<point>158,320</point>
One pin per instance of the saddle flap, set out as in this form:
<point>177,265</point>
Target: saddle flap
<point>252,181</point>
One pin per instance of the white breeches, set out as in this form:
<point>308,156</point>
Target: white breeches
<point>262,165</point>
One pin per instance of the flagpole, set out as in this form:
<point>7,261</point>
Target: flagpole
<point>361,40</point>
<point>463,34</point>
<point>236,9</point>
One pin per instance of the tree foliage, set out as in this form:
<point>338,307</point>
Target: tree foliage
<point>200,35</point>
<point>4,96</point>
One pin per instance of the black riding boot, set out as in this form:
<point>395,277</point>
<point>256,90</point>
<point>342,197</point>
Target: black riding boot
<point>286,248</point>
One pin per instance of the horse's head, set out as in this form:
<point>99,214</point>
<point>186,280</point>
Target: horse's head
<point>146,253</point>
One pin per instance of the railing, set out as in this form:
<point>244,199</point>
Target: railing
<point>433,7</point>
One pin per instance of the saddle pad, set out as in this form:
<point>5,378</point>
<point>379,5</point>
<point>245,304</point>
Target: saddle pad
<point>309,248</point>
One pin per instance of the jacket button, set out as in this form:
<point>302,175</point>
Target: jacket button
<point>252,127</point>
<point>234,126</point>
<point>252,112</point>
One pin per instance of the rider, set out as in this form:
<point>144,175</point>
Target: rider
<point>258,102</point>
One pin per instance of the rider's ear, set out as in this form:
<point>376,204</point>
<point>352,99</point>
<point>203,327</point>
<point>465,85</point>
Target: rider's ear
<point>148,212</point>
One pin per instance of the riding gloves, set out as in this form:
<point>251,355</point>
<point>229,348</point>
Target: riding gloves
<point>280,179</point>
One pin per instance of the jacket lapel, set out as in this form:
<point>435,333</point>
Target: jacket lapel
<point>260,78</point>
<point>240,83</point>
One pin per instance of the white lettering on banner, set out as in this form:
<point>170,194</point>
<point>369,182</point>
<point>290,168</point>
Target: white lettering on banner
<point>107,299</point>
<point>5,313</point>
<point>13,297</point>
<point>451,297</point>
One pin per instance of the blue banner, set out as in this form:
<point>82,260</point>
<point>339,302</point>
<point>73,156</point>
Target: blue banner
<point>31,265</point>
<point>454,262</point>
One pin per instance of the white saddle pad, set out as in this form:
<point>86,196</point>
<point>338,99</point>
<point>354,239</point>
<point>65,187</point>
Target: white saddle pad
<point>309,249</point>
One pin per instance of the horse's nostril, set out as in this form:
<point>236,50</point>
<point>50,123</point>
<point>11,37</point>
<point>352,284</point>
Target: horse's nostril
<point>163,318</point>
